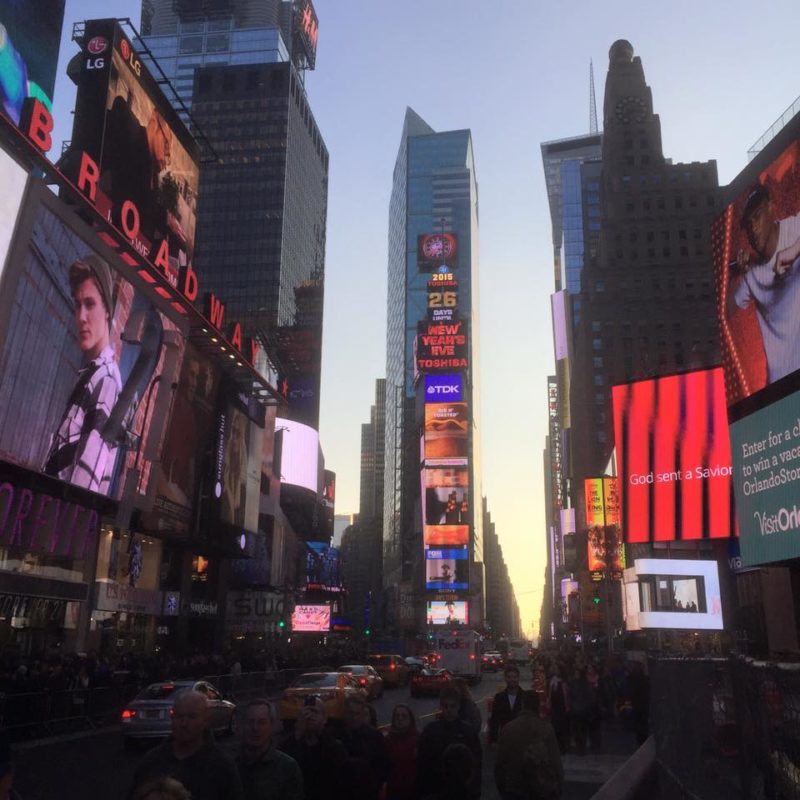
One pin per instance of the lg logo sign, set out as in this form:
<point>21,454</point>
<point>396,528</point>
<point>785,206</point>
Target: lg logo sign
<point>443,388</point>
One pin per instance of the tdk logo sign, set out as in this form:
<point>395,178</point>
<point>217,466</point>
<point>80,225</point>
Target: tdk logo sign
<point>443,389</point>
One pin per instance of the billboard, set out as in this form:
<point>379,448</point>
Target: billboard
<point>148,162</point>
<point>81,351</point>
<point>446,496</point>
<point>306,30</point>
<point>446,431</point>
<point>444,388</point>
<point>322,568</point>
<point>14,180</point>
<point>30,34</point>
<point>674,457</point>
<point>446,568</point>
<point>447,612</point>
<point>300,454</point>
<point>441,347</point>
<point>435,250</point>
<point>605,546</point>
<point>311,619</point>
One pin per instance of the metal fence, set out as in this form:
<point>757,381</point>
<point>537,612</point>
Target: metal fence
<point>768,710</point>
<point>34,715</point>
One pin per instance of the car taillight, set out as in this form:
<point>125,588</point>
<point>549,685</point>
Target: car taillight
<point>363,681</point>
<point>392,666</point>
<point>171,711</point>
<point>128,714</point>
<point>472,656</point>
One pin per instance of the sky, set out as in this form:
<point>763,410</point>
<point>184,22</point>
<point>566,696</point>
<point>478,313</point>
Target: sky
<point>515,72</point>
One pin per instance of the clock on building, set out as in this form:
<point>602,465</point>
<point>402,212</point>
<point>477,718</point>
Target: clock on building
<point>630,109</point>
<point>438,247</point>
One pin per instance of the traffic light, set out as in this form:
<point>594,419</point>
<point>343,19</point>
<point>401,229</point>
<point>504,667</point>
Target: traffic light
<point>366,631</point>
<point>596,598</point>
<point>281,624</point>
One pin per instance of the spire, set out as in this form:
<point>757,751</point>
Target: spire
<point>592,101</point>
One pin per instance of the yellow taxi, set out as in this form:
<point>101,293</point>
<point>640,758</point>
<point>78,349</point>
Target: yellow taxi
<point>393,669</point>
<point>330,687</point>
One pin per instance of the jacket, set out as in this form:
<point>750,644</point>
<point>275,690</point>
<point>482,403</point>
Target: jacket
<point>272,776</point>
<point>503,712</point>
<point>321,764</point>
<point>435,739</point>
<point>402,781</point>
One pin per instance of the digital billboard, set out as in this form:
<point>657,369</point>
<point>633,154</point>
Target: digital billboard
<point>441,347</point>
<point>446,568</point>
<point>603,535</point>
<point>435,249</point>
<point>306,30</point>
<point>446,535</point>
<point>448,612</point>
<point>446,498</point>
<point>14,180</point>
<point>322,567</point>
<point>674,458</point>
<point>300,454</point>
<point>444,388</point>
<point>30,34</point>
<point>311,619</point>
<point>446,431</point>
<point>147,160</point>
<point>81,351</point>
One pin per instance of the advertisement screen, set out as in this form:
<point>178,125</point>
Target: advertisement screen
<point>322,567</point>
<point>31,34</point>
<point>674,458</point>
<point>441,347</point>
<point>446,431</point>
<point>757,270</point>
<point>300,454</point>
<point>311,619</point>
<point>444,388</point>
<point>145,155</point>
<point>453,612</point>
<point>14,179</point>
<point>604,538</point>
<point>435,249</point>
<point>446,568</point>
<point>82,351</point>
<point>446,499</point>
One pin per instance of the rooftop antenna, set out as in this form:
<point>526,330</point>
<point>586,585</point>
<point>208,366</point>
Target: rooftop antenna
<point>592,101</point>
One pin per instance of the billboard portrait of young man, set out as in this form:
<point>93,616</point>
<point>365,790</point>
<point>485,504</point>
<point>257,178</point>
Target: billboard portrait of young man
<point>78,453</point>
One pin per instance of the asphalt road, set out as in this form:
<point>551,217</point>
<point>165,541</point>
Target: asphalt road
<point>98,767</point>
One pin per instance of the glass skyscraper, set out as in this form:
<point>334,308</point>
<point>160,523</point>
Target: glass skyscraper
<point>434,194</point>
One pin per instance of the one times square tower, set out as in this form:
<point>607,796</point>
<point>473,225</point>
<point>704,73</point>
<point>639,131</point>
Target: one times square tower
<point>240,66</point>
<point>432,523</point>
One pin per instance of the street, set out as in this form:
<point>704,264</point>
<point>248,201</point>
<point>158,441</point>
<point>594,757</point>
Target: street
<point>98,766</point>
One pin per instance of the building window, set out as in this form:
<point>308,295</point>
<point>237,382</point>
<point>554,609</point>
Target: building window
<point>597,362</point>
<point>598,380</point>
<point>596,326</point>
<point>599,398</point>
<point>597,344</point>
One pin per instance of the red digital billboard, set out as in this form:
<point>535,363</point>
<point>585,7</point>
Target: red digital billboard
<point>674,457</point>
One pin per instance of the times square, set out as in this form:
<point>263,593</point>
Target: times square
<point>186,611</point>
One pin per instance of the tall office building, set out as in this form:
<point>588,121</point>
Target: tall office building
<point>240,66</point>
<point>432,475</point>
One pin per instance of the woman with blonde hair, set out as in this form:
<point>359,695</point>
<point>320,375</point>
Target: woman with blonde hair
<point>162,789</point>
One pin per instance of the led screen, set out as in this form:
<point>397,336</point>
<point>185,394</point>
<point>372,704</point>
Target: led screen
<point>311,619</point>
<point>446,431</point>
<point>444,388</point>
<point>300,454</point>
<point>31,33</point>
<point>441,347</point>
<point>446,535</point>
<point>446,498</point>
<point>144,153</point>
<point>435,249</point>
<point>450,612</point>
<point>674,458</point>
<point>14,179</point>
<point>322,567</point>
<point>757,270</point>
<point>81,352</point>
<point>446,568</point>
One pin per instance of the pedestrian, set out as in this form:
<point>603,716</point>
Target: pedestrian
<point>320,756</point>
<point>528,763</point>
<point>581,707</point>
<point>266,772</point>
<point>469,711</point>
<point>639,696</point>
<point>506,704</point>
<point>402,739</point>
<point>558,700</point>
<point>162,789</point>
<point>436,738</point>
<point>6,767</point>
<point>458,774</point>
<point>190,755</point>
<point>368,759</point>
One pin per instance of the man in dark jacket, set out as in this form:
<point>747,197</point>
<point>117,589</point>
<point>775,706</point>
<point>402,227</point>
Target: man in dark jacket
<point>267,773</point>
<point>528,764</point>
<point>190,756</point>
<point>320,756</point>
<point>436,738</point>
<point>368,763</point>
<point>506,704</point>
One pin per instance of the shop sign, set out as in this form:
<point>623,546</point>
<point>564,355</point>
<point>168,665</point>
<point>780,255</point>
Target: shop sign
<point>118,597</point>
<point>202,608</point>
<point>20,605</point>
<point>172,604</point>
<point>251,611</point>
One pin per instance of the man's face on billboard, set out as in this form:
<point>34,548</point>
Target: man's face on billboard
<point>91,318</point>
<point>759,227</point>
<point>159,139</point>
<point>192,378</point>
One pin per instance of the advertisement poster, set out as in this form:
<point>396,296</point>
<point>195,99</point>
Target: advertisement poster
<point>14,179</point>
<point>322,567</point>
<point>447,612</point>
<point>446,568</point>
<point>446,498</point>
<point>311,619</point>
<point>446,431</point>
<point>435,249</point>
<point>674,458</point>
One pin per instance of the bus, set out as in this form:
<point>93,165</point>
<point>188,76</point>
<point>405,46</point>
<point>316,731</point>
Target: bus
<point>514,651</point>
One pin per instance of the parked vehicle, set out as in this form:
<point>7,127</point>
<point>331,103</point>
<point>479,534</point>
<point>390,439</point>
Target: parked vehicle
<point>460,652</point>
<point>331,687</point>
<point>430,681</point>
<point>392,668</point>
<point>149,714</point>
<point>368,679</point>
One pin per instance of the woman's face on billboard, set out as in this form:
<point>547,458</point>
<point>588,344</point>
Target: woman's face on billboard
<point>91,318</point>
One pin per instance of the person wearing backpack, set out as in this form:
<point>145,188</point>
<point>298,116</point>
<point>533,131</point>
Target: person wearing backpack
<point>528,764</point>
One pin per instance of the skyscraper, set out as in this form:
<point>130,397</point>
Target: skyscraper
<point>432,475</point>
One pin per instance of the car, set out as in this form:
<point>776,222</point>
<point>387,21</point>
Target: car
<point>331,687</point>
<point>368,679</point>
<point>430,681</point>
<point>149,714</point>
<point>433,659</point>
<point>416,663</point>
<point>392,668</point>
<point>491,662</point>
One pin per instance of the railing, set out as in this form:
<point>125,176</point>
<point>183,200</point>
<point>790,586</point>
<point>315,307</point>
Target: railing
<point>35,715</point>
<point>636,778</point>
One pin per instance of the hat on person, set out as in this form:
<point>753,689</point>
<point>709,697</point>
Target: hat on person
<point>755,197</point>
<point>99,270</point>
